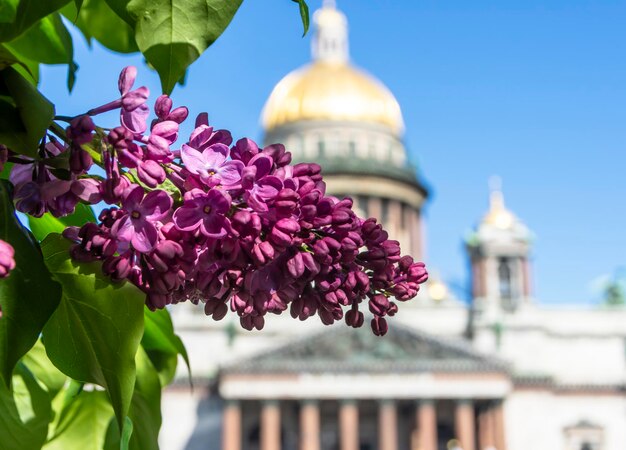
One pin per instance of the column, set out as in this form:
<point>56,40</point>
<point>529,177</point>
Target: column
<point>231,426</point>
<point>498,426</point>
<point>485,429</point>
<point>270,425</point>
<point>387,425</point>
<point>427,425</point>
<point>464,424</point>
<point>349,425</point>
<point>309,425</point>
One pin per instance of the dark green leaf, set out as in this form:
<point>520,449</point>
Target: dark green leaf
<point>25,114</point>
<point>28,12</point>
<point>39,364</point>
<point>42,226</point>
<point>162,344</point>
<point>28,296</point>
<point>24,413</point>
<point>174,33</point>
<point>304,14</point>
<point>121,9</point>
<point>47,41</point>
<point>78,4</point>
<point>28,68</point>
<point>97,20</point>
<point>82,423</point>
<point>8,8</point>
<point>71,75</point>
<point>95,332</point>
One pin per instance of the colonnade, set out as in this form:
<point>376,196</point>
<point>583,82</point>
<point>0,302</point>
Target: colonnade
<point>477,425</point>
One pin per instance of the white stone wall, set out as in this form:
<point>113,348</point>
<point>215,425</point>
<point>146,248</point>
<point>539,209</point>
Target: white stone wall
<point>536,420</point>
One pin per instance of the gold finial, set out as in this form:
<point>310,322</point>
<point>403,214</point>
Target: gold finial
<point>498,215</point>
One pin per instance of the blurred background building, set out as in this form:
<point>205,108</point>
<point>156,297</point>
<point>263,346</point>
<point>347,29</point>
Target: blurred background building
<point>499,371</point>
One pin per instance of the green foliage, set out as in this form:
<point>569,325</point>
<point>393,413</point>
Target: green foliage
<point>82,422</point>
<point>94,380</point>
<point>8,9</point>
<point>24,412</point>
<point>25,114</point>
<point>94,333</point>
<point>96,20</point>
<point>28,297</point>
<point>27,12</point>
<point>162,345</point>
<point>174,33</point>
<point>304,14</point>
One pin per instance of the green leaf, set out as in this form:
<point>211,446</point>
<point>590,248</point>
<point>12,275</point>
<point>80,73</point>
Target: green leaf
<point>25,114</point>
<point>97,20</point>
<point>8,9</point>
<point>174,33</point>
<point>24,413</point>
<point>82,423</point>
<point>46,224</point>
<point>28,12</point>
<point>145,410</point>
<point>48,42</point>
<point>42,368</point>
<point>28,296</point>
<point>304,14</point>
<point>95,332</point>
<point>127,431</point>
<point>162,345</point>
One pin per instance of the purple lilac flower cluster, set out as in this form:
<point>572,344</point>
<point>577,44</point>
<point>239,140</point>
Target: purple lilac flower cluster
<point>230,226</point>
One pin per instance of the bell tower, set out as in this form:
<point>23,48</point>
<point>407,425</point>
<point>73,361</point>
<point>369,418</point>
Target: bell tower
<point>499,251</point>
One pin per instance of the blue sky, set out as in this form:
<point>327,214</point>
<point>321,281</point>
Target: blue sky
<point>533,91</point>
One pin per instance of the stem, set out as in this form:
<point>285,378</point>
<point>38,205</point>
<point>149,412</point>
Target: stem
<point>56,129</point>
<point>67,119</point>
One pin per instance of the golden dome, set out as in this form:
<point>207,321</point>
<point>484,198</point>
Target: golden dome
<point>498,215</point>
<point>331,91</point>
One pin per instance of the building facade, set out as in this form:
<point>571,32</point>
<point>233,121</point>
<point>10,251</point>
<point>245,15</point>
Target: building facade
<point>503,372</point>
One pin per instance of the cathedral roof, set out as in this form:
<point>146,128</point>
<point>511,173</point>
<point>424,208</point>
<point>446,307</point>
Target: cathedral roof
<point>346,350</point>
<point>331,88</point>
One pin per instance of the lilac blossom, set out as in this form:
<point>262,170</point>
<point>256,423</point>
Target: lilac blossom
<point>239,229</point>
<point>211,166</point>
<point>205,212</point>
<point>139,225</point>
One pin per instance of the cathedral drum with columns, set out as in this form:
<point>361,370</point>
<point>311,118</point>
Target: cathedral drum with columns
<point>502,373</point>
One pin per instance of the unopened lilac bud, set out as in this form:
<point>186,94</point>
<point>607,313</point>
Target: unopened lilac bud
<point>117,267</point>
<point>162,106</point>
<point>151,173</point>
<point>417,273</point>
<point>178,115</point>
<point>81,130</point>
<point>379,326</point>
<point>355,318</point>
<point>295,265</point>
<point>80,160</point>
<point>7,259</point>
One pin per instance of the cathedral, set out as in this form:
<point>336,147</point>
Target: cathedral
<point>500,373</point>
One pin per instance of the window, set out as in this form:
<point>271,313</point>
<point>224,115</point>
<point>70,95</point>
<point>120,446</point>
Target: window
<point>321,148</point>
<point>384,212</point>
<point>504,277</point>
<point>584,436</point>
